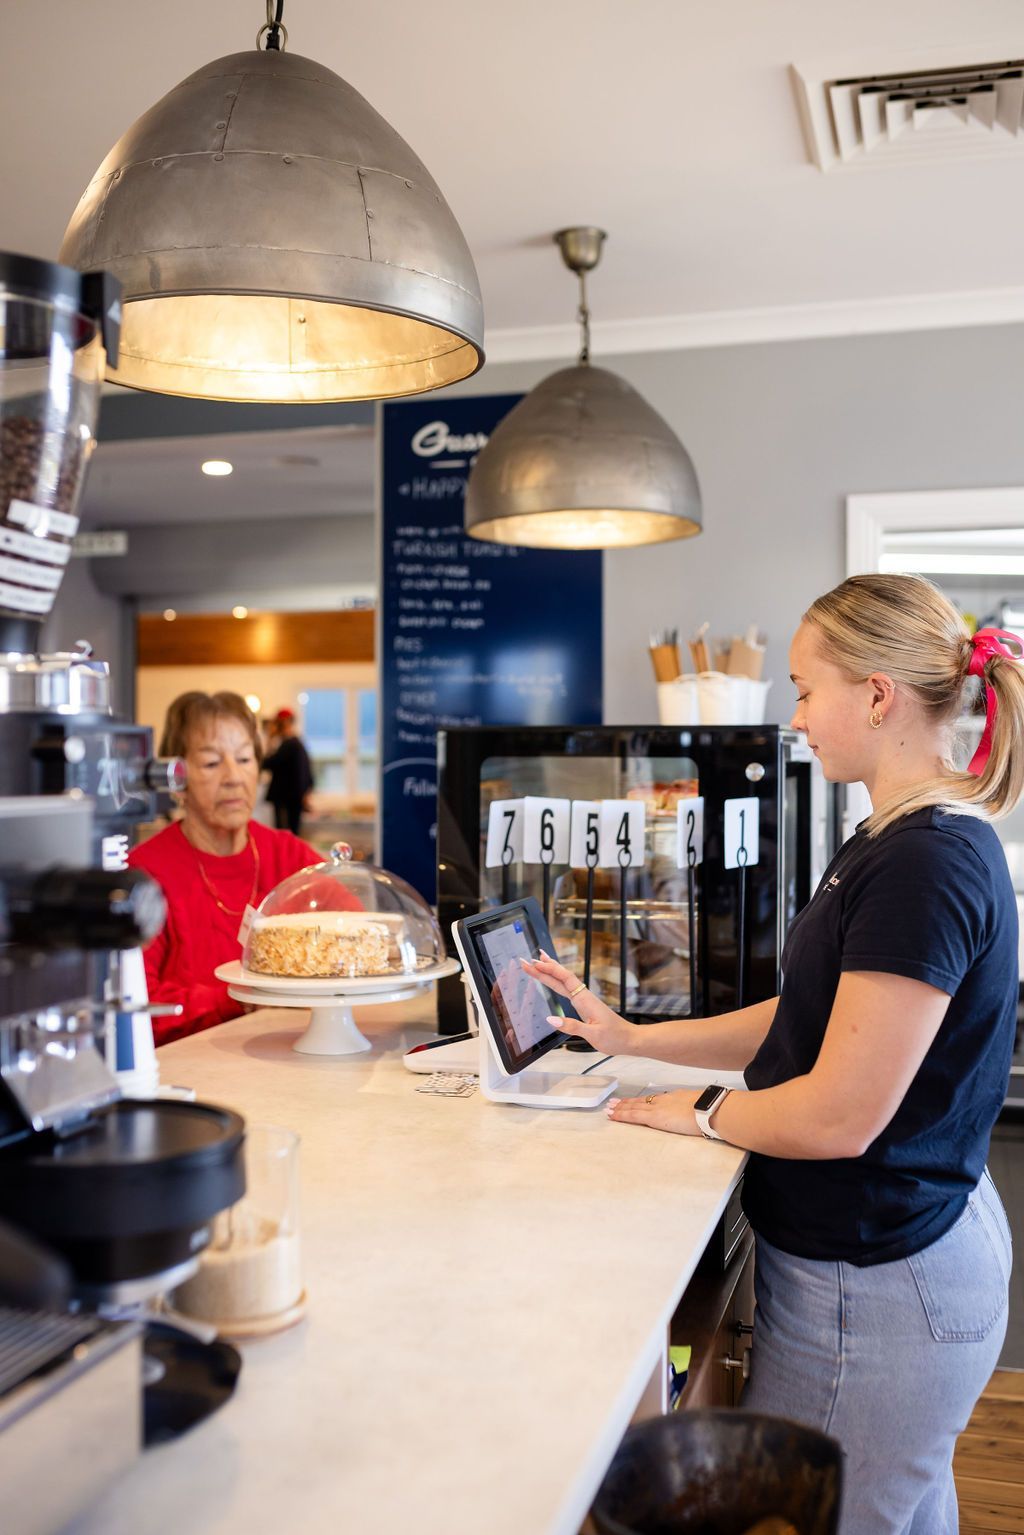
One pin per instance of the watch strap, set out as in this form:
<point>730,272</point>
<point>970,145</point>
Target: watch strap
<point>703,1116</point>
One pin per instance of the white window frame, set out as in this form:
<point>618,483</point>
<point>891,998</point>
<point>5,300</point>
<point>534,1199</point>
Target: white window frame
<point>870,517</point>
<point>351,758</point>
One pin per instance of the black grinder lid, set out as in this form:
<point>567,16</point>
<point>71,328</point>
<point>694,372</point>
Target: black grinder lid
<point>136,1166</point>
<point>95,295</point>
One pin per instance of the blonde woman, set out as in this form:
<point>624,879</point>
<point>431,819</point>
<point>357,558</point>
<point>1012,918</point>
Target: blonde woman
<point>882,1249</point>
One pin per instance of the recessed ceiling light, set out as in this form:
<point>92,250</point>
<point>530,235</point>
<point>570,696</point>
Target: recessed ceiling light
<point>170,615</point>
<point>217,466</point>
<point>239,612</point>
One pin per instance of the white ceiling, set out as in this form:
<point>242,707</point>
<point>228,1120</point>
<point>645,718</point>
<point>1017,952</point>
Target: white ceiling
<point>309,472</point>
<point>672,123</point>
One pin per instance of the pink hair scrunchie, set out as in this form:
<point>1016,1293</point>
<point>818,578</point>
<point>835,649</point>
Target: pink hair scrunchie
<point>986,644</point>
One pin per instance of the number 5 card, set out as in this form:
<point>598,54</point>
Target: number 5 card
<point>585,841</point>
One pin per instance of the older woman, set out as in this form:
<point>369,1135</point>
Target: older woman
<point>214,862</point>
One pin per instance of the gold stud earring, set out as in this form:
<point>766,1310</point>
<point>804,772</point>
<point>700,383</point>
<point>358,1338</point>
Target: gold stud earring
<point>876,720</point>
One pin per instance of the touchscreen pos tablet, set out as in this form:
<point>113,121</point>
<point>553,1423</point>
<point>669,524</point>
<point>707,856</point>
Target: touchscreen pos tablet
<point>513,1009</point>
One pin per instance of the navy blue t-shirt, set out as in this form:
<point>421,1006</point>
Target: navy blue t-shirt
<point>929,898</point>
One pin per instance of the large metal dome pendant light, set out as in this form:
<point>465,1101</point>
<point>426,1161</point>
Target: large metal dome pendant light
<point>583,462</point>
<point>278,241</point>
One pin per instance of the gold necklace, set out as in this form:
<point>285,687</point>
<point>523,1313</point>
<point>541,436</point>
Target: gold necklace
<point>231,910</point>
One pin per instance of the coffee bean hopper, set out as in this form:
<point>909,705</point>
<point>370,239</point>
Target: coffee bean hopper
<point>105,1200</point>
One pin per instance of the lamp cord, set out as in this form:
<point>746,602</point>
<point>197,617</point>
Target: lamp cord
<point>583,315</point>
<point>273,29</point>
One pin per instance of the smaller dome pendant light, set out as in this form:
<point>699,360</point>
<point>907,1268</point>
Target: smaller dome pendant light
<point>583,462</point>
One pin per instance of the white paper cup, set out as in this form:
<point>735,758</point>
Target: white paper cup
<point>757,698</point>
<point>722,699</point>
<point>678,703</point>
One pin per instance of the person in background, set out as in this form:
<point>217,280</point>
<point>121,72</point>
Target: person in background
<point>213,863</point>
<point>291,775</point>
<point>882,1253</point>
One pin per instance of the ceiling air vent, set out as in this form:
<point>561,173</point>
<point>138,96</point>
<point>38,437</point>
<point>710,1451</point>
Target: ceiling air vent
<point>955,113</point>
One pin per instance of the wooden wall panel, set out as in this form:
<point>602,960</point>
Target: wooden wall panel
<point>207,639</point>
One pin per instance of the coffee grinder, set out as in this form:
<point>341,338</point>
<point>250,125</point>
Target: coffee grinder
<point>105,1201</point>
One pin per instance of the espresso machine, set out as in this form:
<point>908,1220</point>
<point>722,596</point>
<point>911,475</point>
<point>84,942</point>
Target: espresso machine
<point>106,1200</point>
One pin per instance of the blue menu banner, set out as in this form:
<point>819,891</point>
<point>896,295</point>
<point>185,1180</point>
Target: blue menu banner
<point>471,633</point>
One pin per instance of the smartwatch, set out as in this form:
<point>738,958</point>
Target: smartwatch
<point>710,1100</point>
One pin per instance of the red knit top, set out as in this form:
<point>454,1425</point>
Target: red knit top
<point>199,935</point>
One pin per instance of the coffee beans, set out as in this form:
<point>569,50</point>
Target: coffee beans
<point>38,465</point>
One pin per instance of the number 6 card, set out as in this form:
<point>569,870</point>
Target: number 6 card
<point>545,830</point>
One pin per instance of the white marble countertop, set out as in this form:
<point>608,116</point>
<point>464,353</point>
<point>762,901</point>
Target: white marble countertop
<point>488,1286</point>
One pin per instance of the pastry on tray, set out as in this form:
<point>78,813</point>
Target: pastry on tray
<point>663,798</point>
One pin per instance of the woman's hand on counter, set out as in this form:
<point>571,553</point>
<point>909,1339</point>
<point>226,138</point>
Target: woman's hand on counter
<point>597,1024</point>
<point>661,1111</point>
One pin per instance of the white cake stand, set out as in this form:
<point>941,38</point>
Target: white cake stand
<point>332,1029</point>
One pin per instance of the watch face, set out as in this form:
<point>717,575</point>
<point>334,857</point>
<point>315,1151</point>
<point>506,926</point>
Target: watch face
<point>709,1096</point>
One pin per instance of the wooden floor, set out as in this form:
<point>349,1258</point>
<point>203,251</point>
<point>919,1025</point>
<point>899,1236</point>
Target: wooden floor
<point>989,1460</point>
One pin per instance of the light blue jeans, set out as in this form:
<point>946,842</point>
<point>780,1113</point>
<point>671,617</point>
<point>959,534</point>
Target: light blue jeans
<point>889,1359</point>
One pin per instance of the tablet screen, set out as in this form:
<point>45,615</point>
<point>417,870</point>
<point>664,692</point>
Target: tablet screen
<point>519,1006</point>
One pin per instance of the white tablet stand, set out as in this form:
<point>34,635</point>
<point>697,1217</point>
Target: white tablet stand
<point>531,1088</point>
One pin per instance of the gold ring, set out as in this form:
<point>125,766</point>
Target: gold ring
<point>650,1097</point>
<point>576,991</point>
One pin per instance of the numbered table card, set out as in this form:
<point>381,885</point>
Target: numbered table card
<point>742,838</point>
<point>690,832</point>
<point>623,823</point>
<point>545,830</point>
<point>504,833</point>
<point>585,834</point>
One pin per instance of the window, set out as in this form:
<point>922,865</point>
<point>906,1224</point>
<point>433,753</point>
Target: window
<point>339,726</point>
<point>366,726</point>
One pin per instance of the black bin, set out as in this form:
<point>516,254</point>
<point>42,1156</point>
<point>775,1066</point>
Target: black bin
<point>717,1472</point>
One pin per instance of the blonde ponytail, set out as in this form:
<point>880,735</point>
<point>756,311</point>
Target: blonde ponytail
<point>905,627</point>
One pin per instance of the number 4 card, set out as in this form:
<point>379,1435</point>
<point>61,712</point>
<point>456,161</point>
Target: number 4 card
<point>623,822</point>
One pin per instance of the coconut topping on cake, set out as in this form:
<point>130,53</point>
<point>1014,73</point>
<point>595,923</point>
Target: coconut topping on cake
<point>319,943</point>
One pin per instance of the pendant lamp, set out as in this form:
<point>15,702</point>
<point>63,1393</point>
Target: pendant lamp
<point>278,241</point>
<point>583,462</point>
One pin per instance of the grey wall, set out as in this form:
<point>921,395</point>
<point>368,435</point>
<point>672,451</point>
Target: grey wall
<point>83,612</point>
<point>780,434</point>
<point>240,558</point>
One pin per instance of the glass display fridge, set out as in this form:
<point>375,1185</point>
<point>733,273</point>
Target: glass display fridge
<point>669,861</point>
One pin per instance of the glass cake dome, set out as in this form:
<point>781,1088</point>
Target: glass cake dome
<point>341,918</point>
